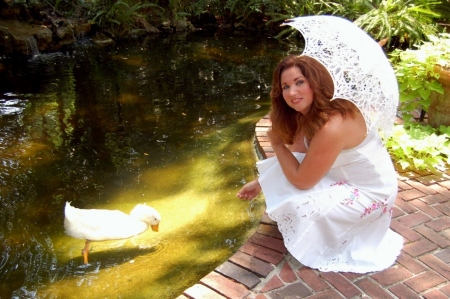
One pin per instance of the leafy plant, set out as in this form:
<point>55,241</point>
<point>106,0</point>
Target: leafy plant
<point>279,10</point>
<point>420,147</point>
<point>416,80</point>
<point>409,21</point>
<point>119,15</point>
<point>416,74</point>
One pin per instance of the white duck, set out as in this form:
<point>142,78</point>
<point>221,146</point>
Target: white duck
<point>102,225</point>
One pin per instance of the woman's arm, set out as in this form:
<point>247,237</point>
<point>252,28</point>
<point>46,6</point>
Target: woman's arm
<point>323,150</point>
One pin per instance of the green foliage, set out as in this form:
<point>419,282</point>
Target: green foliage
<point>416,80</point>
<point>420,147</point>
<point>444,10</point>
<point>279,10</point>
<point>415,72</point>
<point>410,21</point>
<point>56,4</point>
<point>119,15</point>
<point>27,3</point>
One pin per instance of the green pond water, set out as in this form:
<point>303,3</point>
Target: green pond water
<point>167,121</point>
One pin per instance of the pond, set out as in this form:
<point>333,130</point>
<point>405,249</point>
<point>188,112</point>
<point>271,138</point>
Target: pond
<point>166,121</point>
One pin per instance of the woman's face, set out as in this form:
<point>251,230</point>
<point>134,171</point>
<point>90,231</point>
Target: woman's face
<point>296,90</point>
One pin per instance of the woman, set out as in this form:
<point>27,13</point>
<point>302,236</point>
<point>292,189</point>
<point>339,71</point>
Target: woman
<point>332,185</point>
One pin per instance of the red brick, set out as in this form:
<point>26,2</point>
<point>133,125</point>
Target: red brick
<point>405,231</point>
<point>410,194</point>
<point>441,190</point>
<point>251,263</point>
<point>412,220</point>
<point>437,265</point>
<point>403,185</point>
<point>265,121</point>
<point>260,137</point>
<point>445,184</point>
<point>404,175</point>
<point>351,276</point>
<point>235,272</point>
<point>225,286</point>
<point>200,291</point>
<point>261,128</point>
<point>314,281</point>
<point>264,144</point>
<point>446,290</point>
<point>261,134</point>
<point>391,275</point>
<point>262,253</point>
<point>444,208</point>
<point>432,236</point>
<point>429,179</point>
<point>419,247</point>
<point>400,176</point>
<point>439,224</point>
<point>397,212</point>
<point>443,255</point>
<point>429,210</point>
<point>421,187</point>
<point>328,294</point>
<point>410,263</point>
<point>403,292</point>
<point>269,242</point>
<point>424,281</point>
<point>269,230</point>
<point>286,273</point>
<point>341,284</point>
<point>274,283</point>
<point>260,296</point>
<point>434,199</point>
<point>434,294</point>
<point>372,289</point>
<point>293,290</point>
<point>405,206</point>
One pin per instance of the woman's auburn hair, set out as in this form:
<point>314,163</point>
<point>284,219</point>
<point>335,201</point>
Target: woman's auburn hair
<point>287,122</point>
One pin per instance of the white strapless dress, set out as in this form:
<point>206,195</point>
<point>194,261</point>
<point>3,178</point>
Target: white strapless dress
<point>342,223</point>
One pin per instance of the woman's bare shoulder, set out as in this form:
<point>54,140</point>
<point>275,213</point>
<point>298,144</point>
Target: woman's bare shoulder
<point>351,130</point>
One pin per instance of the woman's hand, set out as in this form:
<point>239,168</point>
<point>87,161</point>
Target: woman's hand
<point>250,190</point>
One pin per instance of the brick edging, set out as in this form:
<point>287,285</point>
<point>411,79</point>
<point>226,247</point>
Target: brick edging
<point>263,269</point>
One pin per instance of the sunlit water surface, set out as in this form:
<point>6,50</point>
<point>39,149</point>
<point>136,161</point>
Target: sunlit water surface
<point>164,121</point>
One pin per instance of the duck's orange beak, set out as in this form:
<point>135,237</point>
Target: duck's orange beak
<point>155,227</point>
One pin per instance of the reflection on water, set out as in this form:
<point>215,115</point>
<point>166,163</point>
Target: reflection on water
<point>165,121</point>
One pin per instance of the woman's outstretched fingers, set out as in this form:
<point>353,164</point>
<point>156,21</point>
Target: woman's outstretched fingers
<point>249,190</point>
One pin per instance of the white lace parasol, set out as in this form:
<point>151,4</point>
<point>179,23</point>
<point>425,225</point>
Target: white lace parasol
<point>360,70</point>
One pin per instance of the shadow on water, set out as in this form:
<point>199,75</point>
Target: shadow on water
<point>165,121</point>
<point>102,260</point>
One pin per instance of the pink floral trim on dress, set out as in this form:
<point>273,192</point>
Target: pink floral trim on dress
<point>354,195</point>
<point>377,206</point>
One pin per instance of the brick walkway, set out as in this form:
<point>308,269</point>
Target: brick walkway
<point>263,269</point>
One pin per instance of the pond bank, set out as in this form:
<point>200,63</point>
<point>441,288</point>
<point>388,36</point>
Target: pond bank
<point>263,269</point>
<point>19,38</point>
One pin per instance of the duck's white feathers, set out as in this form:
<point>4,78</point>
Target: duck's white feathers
<point>101,225</point>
